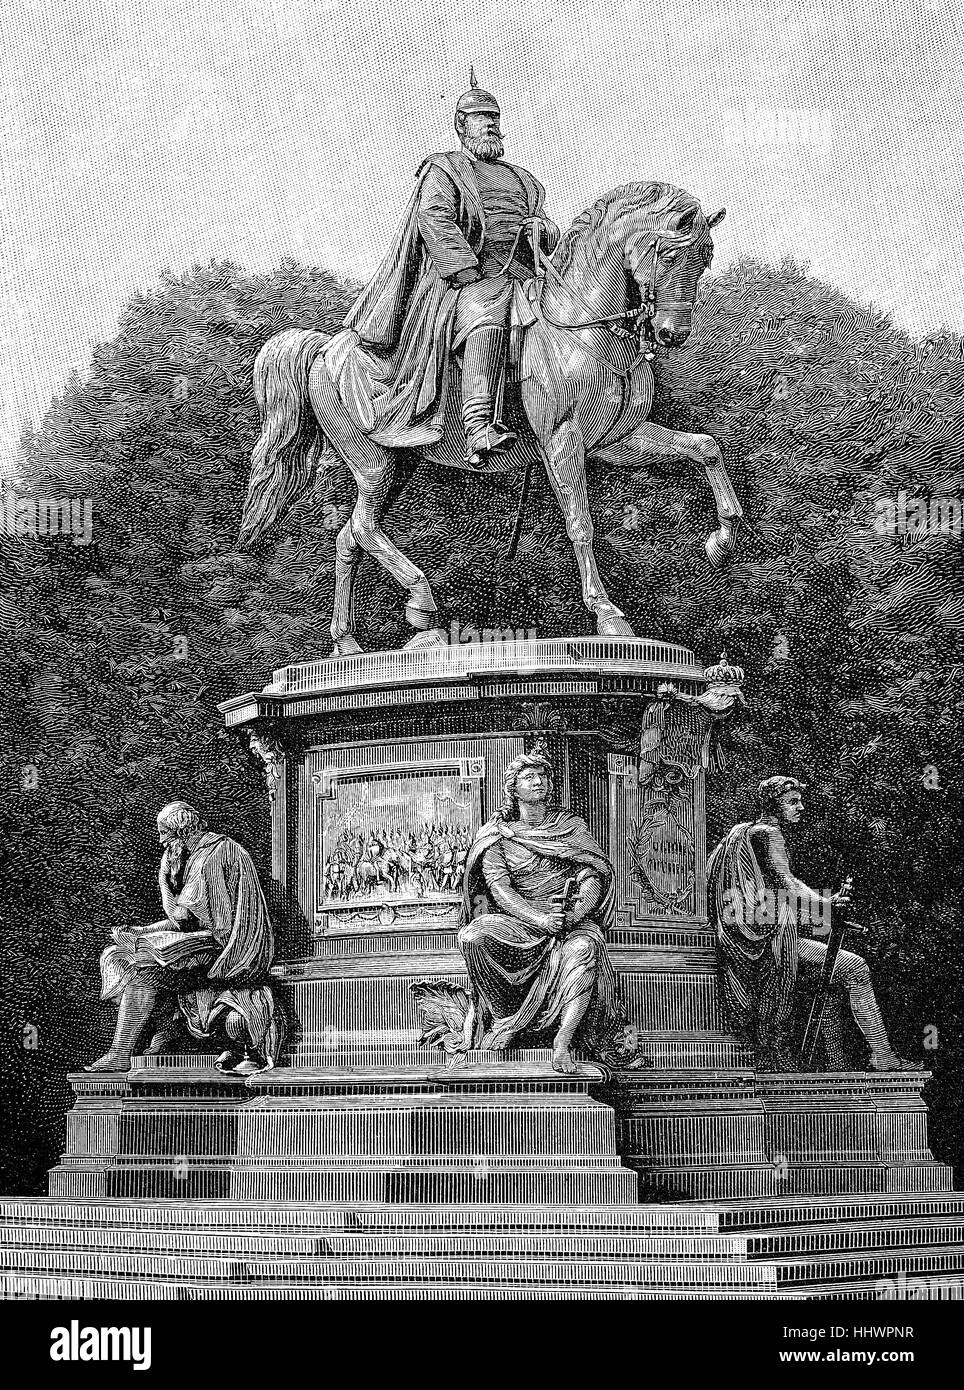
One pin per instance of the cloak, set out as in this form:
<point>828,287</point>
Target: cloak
<point>561,836</point>
<point>221,890</point>
<point>756,935</point>
<point>521,978</point>
<point>402,321</point>
<point>218,962</point>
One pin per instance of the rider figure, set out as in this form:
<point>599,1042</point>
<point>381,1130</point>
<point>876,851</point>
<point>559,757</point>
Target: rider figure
<point>464,240</point>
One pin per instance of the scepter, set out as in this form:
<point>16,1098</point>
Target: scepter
<point>838,927</point>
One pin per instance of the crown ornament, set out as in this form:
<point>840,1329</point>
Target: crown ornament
<point>723,673</point>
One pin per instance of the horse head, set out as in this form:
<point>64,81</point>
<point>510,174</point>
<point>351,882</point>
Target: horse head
<point>667,248</point>
<point>647,244</point>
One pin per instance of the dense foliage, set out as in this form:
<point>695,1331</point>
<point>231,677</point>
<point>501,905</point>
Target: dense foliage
<point>116,653</point>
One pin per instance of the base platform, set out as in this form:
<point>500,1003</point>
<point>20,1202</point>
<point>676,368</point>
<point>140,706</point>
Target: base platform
<point>493,1180</point>
<point>364,1168</point>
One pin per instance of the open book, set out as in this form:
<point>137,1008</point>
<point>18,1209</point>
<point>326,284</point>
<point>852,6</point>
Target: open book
<point>167,947</point>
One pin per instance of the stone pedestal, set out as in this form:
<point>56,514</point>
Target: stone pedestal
<point>418,741</point>
<point>363,1167</point>
<point>492,1131</point>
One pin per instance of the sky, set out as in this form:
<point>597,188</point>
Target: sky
<point>137,137</point>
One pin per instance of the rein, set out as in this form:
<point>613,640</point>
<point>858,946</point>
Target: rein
<point>642,317</point>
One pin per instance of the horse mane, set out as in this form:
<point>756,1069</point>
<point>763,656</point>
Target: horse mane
<point>661,199</point>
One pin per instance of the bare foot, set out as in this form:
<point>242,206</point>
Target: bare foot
<point>889,1061</point>
<point>562,1060</point>
<point>111,1061</point>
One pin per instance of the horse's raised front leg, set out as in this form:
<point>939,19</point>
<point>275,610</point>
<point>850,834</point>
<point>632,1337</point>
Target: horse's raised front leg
<point>702,449</point>
<point>378,479</point>
<point>565,461</point>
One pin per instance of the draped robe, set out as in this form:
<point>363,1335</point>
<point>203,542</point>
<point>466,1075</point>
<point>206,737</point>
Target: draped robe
<point>520,976</point>
<point>216,959</point>
<point>392,367</point>
<point>756,934</point>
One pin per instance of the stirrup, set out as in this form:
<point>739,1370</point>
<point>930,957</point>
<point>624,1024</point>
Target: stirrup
<point>490,439</point>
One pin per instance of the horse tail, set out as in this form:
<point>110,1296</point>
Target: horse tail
<point>291,441</point>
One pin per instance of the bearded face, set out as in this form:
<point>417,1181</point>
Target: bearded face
<point>481,136</point>
<point>177,856</point>
<point>176,843</point>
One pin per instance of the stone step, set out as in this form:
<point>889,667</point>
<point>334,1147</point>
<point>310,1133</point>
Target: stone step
<point>908,1262</point>
<point>533,1267</point>
<point>295,1217</point>
<point>941,1288</point>
<point>781,1217</point>
<point>805,1243</point>
<point>51,1286</point>
<point>758,1212</point>
<point>868,1246</point>
<point>915,1231</point>
<point>348,1245</point>
<point>788,1244</point>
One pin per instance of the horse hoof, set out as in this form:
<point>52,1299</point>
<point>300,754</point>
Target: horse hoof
<point>432,637</point>
<point>345,646</point>
<point>613,625</point>
<point>718,548</point>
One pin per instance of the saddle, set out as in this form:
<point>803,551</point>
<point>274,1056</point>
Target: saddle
<point>364,383</point>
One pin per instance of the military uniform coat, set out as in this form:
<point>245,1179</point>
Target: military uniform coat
<point>407,310</point>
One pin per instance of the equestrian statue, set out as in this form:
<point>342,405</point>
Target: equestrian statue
<point>487,342</point>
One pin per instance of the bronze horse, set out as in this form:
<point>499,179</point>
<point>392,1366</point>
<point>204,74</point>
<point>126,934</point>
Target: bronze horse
<point>623,279</point>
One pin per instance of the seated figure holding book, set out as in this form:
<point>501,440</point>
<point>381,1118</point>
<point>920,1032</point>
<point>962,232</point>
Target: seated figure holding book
<point>207,959</point>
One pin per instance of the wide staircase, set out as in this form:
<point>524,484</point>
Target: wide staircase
<point>497,1180</point>
<point>867,1247</point>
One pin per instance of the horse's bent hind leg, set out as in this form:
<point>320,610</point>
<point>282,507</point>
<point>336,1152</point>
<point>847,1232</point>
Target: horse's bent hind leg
<point>347,556</point>
<point>566,465</point>
<point>648,438</point>
<point>378,478</point>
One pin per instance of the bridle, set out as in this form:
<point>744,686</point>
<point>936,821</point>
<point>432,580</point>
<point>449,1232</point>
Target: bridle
<point>640,320</point>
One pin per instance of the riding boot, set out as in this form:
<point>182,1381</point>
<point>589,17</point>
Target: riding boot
<point>136,1007</point>
<point>483,358</point>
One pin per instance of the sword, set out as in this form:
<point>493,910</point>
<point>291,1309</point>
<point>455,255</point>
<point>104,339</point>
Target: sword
<point>534,225</point>
<point>569,895</point>
<point>838,927</point>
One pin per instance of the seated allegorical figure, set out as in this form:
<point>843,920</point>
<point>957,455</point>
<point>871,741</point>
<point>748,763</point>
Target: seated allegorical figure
<point>538,899</point>
<point>763,914</point>
<point>207,959</point>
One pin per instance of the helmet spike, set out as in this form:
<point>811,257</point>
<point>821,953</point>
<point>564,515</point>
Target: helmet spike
<point>476,99</point>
